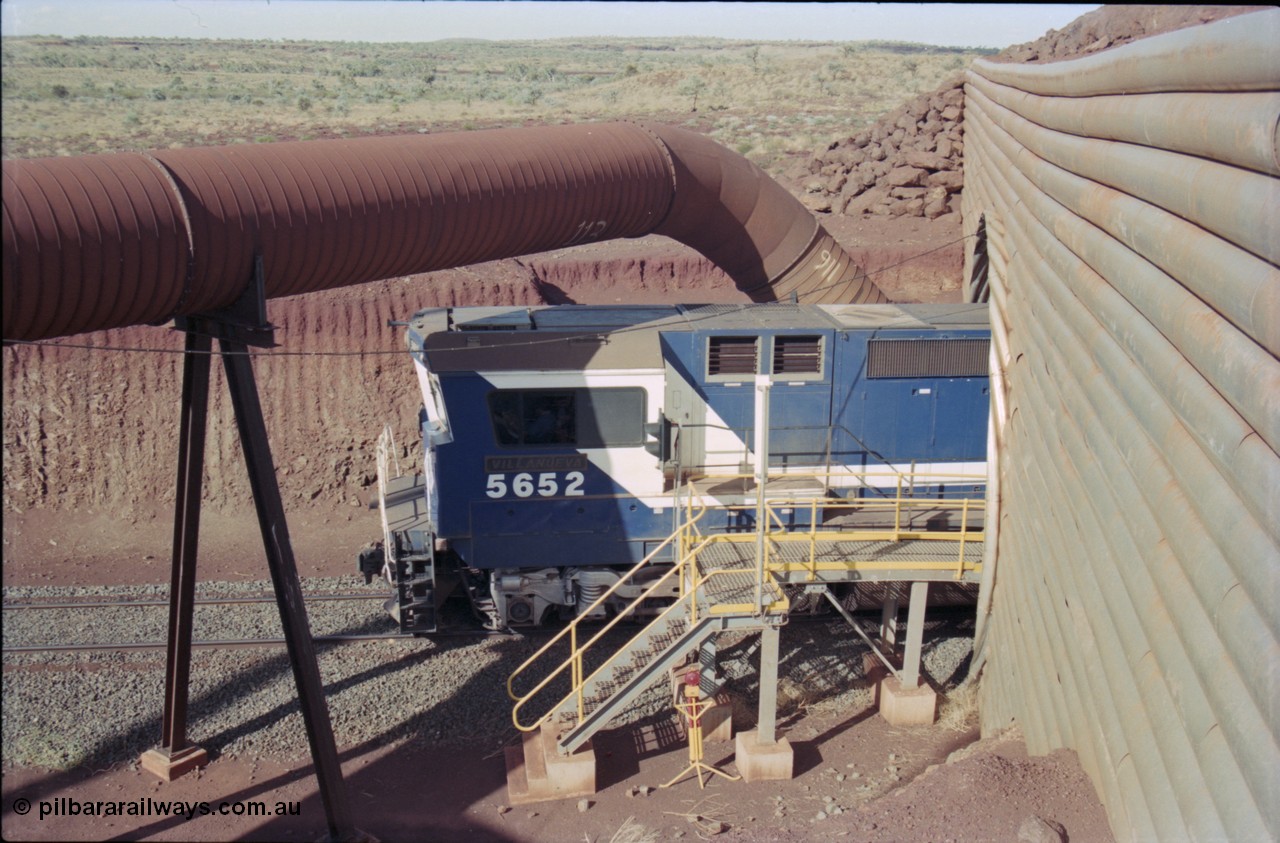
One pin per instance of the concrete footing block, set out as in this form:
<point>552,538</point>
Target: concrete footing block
<point>717,721</point>
<point>907,706</point>
<point>759,762</point>
<point>536,772</point>
<point>175,765</point>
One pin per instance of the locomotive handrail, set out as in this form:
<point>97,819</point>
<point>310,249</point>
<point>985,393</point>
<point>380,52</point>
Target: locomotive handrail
<point>744,435</point>
<point>571,629</point>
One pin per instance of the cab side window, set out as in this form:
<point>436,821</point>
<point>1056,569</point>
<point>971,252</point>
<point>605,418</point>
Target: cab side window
<point>585,418</point>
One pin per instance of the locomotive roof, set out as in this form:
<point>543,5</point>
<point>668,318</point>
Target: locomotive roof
<point>626,336</point>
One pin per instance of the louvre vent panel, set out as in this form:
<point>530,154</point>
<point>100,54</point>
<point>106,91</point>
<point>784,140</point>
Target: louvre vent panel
<point>732,356</point>
<point>963,358</point>
<point>797,356</point>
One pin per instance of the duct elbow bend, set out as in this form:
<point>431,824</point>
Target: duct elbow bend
<point>735,214</point>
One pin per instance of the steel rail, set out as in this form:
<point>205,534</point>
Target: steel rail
<point>215,601</point>
<point>239,643</point>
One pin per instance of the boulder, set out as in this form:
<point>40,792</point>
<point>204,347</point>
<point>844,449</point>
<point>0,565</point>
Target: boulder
<point>866,201</point>
<point>817,203</point>
<point>926,160</point>
<point>951,180</point>
<point>905,177</point>
<point>935,202</point>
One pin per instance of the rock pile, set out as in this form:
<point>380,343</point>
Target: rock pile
<point>1112,26</point>
<point>910,163</point>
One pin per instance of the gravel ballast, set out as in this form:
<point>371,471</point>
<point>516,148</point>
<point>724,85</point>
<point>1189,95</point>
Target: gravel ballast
<point>102,709</point>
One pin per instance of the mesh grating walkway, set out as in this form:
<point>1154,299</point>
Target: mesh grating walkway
<point>794,556</point>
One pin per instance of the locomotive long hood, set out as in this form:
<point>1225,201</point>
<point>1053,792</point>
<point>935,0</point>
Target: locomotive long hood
<point>105,241</point>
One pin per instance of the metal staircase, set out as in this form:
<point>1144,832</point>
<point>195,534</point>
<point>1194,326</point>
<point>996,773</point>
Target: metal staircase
<point>726,581</point>
<point>712,599</point>
<point>735,581</point>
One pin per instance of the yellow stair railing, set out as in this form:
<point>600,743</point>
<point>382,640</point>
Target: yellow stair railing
<point>688,542</point>
<point>574,663</point>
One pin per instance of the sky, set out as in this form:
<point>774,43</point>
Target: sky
<point>942,24</point>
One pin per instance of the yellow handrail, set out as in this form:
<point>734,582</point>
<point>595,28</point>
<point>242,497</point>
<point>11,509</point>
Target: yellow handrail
<point>571,629</point>
<point>579,682</point>
<point>574,661</point>
<point>689,541</point>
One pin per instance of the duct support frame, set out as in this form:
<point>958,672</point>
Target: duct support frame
<point>236,328</point>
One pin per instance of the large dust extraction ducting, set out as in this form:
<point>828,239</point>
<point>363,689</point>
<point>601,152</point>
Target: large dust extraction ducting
<point>106,241</point>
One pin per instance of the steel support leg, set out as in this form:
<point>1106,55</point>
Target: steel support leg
<point>284,575</point>
<point>915,635</point>
<point>889,620</point>
<point>767,731</point>
<point>175,758</point>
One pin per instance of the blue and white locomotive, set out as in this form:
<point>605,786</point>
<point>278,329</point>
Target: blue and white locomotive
<point>556,439</point>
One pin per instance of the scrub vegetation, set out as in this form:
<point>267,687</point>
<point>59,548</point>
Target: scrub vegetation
<point>767,100</point>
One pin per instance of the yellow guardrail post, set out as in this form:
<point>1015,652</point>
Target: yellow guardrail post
<point>897,512</point>
<point>964,531</point>
<point>693,594</point>
<point>813,540</point>
<point>575,670</point>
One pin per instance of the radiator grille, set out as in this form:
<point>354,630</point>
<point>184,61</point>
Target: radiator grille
<point>962,358</point>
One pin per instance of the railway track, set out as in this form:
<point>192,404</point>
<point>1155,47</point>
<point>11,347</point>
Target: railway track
<point>27,606</point>
<point>209,601</point>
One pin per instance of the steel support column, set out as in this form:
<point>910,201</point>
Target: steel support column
<point>915,635</point>
<point>889,619</point>
<point>284,576</point>
<point>175,758</point>
<point>768,716</point>
<point>235,328</point>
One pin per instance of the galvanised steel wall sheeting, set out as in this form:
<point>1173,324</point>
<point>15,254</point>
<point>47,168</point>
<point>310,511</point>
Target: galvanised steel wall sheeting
<point>1134,614</point>
<point>112,240</point>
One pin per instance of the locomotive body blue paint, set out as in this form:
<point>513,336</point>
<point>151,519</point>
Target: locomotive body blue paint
<point>536,422</point>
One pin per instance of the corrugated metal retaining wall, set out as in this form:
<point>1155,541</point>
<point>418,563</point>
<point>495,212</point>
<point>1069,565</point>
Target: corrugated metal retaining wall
<point>1130,208</point>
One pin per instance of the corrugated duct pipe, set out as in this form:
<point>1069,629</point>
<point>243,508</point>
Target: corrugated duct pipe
<point>105,241</point>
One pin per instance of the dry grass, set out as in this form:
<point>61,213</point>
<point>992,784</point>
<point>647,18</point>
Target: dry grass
<point>958,710</point>
<point>632,832</point>
<point>767,100</point>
